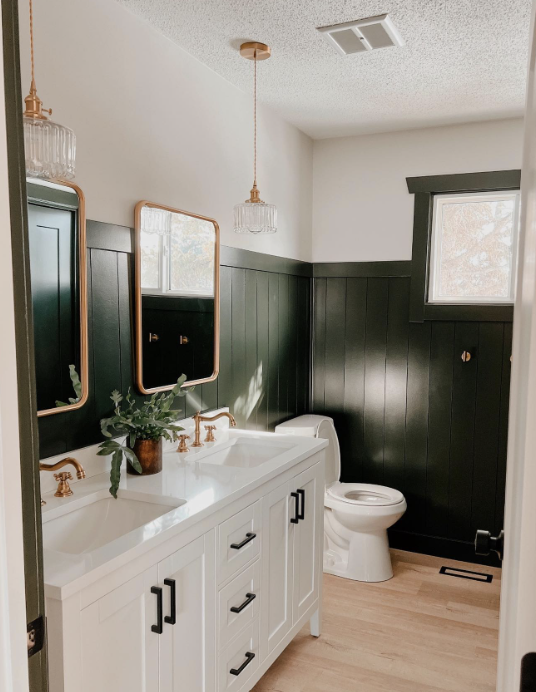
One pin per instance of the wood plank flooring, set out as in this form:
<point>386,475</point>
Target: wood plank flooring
<point>419,632</point>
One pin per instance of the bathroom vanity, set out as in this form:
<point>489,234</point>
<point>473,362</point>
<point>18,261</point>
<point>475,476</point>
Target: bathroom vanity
<point>195,579</point>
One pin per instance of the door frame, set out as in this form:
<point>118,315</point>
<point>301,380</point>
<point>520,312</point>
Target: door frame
<point>21,586</point>
<point>517,634</point>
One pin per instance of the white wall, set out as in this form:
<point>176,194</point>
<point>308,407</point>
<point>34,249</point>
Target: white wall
<point>362,210</point>
<point>154,123</point>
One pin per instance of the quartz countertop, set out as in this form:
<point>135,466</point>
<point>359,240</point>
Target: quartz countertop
<point>204,488</point>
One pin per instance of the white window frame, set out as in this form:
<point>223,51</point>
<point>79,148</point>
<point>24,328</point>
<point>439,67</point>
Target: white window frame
<point>435,247</point>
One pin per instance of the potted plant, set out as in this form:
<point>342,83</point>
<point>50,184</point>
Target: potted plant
<point>144,427</point>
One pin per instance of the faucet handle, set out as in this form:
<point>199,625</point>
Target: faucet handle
<point>210,433</point>
<point>63,478</point>
<point>183,447</point>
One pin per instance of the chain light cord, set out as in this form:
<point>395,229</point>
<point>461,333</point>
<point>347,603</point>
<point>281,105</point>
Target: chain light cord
<point>254,119</point>
<point>32,44</point>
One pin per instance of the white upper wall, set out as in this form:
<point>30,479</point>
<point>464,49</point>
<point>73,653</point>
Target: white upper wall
<point>152,122</point>
<point>362,210</point>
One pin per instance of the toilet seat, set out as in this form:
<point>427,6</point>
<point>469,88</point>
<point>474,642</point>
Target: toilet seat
<point>365,494</point>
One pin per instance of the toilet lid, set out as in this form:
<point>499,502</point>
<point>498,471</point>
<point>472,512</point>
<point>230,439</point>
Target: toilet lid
<point>365,494</point>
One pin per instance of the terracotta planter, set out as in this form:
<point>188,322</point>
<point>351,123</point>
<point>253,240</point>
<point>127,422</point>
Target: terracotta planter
<point>149,453</point>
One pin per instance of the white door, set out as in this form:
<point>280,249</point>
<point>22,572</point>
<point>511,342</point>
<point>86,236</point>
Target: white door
<point>119,650</point>
<point>518,595</point>
<point>307,561</point>
<point>276,590</point>
<point>188,641</point>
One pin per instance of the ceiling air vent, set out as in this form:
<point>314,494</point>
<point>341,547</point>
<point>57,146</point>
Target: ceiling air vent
<point>363,35</point>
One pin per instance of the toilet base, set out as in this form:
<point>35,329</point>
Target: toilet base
<point>367,557</point>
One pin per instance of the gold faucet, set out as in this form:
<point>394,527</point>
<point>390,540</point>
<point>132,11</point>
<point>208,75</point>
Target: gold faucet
<point>198,418</point>
<point>64,489</point>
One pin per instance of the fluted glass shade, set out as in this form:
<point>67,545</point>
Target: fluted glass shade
<point>255,217</point>
<point>50,149</point>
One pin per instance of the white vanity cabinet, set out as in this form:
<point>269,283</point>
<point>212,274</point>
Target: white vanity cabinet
<point>208,609</point>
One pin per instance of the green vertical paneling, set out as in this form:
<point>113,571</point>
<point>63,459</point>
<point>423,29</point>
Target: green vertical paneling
<point>273,350</point>
<point>462,431</point>
<point>237,401</point>
<point>303,345</point>
<point>503,430</point>
<point>375,360</point>
<point>334,346</point>
<point>225,383</point>
<point>319,345</point>
<point>439,424</point>
<point>262,348</point>
<point>284,343</point>
<point>292,345</point>
<point>252,383</point>
<point>396,376</point>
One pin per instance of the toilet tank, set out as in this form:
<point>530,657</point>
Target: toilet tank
<point>312,425</point>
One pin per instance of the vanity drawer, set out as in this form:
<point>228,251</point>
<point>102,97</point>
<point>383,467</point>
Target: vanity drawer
<point>241,657</point>
<point>242,594</point>
<point>239,541</point>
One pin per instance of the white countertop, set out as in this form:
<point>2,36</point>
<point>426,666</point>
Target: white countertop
<point>204,487</point>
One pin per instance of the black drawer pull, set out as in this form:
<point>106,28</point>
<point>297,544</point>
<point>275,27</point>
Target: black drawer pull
<point>249,657</point>
<point>249,537</point>
<point>172,617</point>
<point>296,518</point>
<point>249,597</point>
<point>159,627</point>
<point>301,492</point>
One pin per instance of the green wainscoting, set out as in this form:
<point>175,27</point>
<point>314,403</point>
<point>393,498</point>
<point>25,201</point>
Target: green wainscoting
<point>265,341</point>
<point>410,413</point>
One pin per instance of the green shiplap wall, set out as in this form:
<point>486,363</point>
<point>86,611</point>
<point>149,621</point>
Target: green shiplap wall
<point>265,342</point>
<point>410,413</point>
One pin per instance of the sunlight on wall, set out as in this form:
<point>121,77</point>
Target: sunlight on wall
<point>245,404</point>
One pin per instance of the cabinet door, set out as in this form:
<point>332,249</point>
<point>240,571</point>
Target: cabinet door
<point>188,642</point>
<point>119,651</point>
<point>308,539</point>
<point>276,591</point>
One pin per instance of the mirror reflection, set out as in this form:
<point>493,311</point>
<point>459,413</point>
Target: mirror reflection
<point>56,230</point>
<point>177,277</point>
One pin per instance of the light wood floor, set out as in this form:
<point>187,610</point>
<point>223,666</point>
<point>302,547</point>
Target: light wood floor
<point>419,632</point>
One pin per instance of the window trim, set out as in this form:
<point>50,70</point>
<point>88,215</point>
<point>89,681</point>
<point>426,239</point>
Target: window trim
<point>425,188</point>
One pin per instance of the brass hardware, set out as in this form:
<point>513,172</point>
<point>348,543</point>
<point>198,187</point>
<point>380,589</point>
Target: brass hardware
<point>253,50</point>
<point>138,298</point>
<point>184,340</point>
<point>198,418</point>
<point>34,105</point>
<point>210,433</point>
<point>182,444</point>
<point>82,274</point>
<point>64,489</point>
<point>153,337</point>
<point>43,503</point>
<point>466,356</point>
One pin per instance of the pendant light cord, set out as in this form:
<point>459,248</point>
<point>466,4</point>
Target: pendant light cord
<point>32,44</point>
<point>254,120</point>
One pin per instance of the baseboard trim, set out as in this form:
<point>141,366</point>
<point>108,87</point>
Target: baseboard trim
<point>464,551</point>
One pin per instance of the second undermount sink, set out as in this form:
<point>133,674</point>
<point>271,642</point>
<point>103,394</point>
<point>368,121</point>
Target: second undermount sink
<point>245,452</point>
<point>101,521</point>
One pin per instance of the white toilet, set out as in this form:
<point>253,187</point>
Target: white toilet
<point>356,515</point>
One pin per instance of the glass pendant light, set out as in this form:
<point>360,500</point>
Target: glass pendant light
<point>50,148</point>
<point>254,215</point>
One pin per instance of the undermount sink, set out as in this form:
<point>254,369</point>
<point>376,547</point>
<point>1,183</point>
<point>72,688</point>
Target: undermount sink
<point>93,525</point>
<point>245,452</point>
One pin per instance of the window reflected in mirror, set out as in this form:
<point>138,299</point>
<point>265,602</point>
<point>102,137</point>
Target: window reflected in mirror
<point>177,274</point>
<point>57,246</point>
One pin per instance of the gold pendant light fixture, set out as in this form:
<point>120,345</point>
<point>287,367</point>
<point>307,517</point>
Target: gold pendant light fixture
<point>50,148</point>
<point>254,215</point>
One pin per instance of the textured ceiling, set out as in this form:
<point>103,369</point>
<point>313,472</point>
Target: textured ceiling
<point>464,60</point>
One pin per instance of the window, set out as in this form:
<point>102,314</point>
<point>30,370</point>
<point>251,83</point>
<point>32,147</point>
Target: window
<point>473,248</point>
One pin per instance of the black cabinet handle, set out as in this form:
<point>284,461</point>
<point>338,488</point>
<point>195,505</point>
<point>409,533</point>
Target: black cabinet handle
<point>249,537</point>
<point>249,597</point>
<point>159,627</point>
<point>301,493</point>
<point>296,518</point>
<point>172,617</point>
<point>249,657</point>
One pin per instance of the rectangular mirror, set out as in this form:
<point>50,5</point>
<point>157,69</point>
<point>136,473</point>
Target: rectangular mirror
<point>57,244</point>
<point>177,297</point>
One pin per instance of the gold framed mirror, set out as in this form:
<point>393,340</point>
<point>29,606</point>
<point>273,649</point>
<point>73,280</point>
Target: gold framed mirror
<point>177,297</point>
<point>58,274</point>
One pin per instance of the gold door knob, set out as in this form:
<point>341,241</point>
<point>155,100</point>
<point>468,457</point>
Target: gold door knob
<point>184,340</point>
<point>466,356</point>
<point>210,433</point>
<point>153,337</point>
<point>183,447</point>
